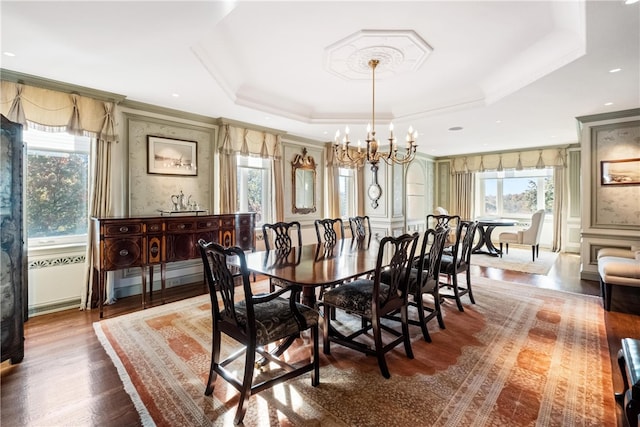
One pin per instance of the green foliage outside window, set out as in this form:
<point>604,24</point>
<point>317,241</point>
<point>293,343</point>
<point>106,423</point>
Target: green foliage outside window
<point>56,202</point>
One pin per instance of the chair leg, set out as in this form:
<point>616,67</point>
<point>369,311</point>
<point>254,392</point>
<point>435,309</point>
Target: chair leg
<point>469,290</point>
<point>423,323</point>
<point>538,250</point>
<point>215,358</point>
<point>507,248</point>
<point>533,253</point>
<point>405,331</point>
<point>315,374</point>
<point>608,288</point>
<point>456,292</point>
<point>247,380</point>
<point>438,307</point>
<point>377,336</point>
<point>325,331</point>
<point>500,249</point>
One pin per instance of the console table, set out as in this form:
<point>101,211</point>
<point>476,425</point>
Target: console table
<point>126,242</point>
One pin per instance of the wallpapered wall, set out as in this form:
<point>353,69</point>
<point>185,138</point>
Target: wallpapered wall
<point>616,205</point>
<point>149,193</point>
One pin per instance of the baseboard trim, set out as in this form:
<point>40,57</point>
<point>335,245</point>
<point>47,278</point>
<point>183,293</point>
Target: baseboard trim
<point>62,305</point>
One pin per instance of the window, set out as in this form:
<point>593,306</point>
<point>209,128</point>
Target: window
<point>254,187</point>
<point>346,191</point>
<point>57,171</point>
<point>514,193</point>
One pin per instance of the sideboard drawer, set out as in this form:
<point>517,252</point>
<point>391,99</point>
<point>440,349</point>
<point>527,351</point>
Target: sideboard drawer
<point>180,226</point>
<point>154,226</point>
<point>208,224</point>
<point>122,229</point>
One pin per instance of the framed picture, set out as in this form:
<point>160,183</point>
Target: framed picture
<point>166,156</point>
<point>620,172</point>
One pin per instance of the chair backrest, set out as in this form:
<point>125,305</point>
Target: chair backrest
<point>437,221</point>
<point>429,262</point>
<point>531,236</point>
<point>360,226</point>
<point>326,230</point>
<point>464,242</point>
<point>222,288</point>
<point>278,235</point>
<point>402,251</point>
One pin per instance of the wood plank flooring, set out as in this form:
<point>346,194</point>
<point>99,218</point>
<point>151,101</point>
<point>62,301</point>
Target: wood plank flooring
<point>66,377</point>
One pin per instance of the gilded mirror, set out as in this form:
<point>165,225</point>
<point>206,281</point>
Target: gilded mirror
<point>303,170</point>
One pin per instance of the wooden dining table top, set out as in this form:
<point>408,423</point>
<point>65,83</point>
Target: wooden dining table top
<point>317,264</point>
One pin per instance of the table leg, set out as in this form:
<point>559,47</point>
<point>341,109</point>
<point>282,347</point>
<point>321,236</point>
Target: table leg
<point>485,240</point>
<point>489,244</point>
<point>102,276</point>
<point>163,279</point>
<point>144,287</point>
<point>309,296</point>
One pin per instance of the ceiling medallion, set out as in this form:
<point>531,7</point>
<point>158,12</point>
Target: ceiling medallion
<point>397,51</point>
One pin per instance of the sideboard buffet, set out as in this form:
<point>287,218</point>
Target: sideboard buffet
<point>141,241</point>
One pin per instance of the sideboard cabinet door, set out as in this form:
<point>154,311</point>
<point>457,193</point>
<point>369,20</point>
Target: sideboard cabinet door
<point>13,256</point>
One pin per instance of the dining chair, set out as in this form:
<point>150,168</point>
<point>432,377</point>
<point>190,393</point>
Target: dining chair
<point>424,280</point>
<point>281,236</point>
<point>458,261</point>
<point>530,236</point>
<point>255,322</point>
<point>360,226</point>
<point>372,299</point>
<point>326,230</point>
<point>445,220</point>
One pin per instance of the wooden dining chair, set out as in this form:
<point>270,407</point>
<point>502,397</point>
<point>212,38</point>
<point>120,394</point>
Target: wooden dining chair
<point>372,299</point>
<point>424,280</point>
<point>458,261</point>
<point>254,322</point>
<point>360,226</point>
<point>329,230</point>
<point>445,220</point>
<point>281,236</point>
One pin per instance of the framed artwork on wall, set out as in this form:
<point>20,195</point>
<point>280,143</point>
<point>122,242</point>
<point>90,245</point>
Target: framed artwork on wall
<point>167,156</point>
<point>620,172</point>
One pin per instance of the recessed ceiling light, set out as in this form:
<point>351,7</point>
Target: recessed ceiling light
<point>9,54</point>
<point>608,103</point>
<point>175,95</point>
<point>455,128</point>
<point>615,70</point>
<point>630,1</point>
<point>498,121</point>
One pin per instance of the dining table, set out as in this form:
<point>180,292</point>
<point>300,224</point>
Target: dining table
<point>317,265</point>
<point>485,229</point>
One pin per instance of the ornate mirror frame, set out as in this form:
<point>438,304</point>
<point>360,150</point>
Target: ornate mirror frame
<point>303,171</point>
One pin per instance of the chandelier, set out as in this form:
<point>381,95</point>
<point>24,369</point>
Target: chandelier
<point>347,155</point>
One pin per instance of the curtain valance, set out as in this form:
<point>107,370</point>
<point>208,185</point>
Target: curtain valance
<point>541,158</point>
<point>249,142</point>
<point>57,111</point>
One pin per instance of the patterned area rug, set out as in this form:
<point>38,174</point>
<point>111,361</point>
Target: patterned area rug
<point>518,260</point>
<point>521,356</point>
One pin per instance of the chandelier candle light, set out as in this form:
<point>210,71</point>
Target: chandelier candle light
<point>356,157</point>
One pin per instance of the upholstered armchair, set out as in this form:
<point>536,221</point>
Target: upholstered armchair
<point>440,211</point>
<point>530,236</point>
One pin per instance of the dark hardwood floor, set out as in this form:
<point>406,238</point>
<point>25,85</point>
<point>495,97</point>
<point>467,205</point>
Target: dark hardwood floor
<point>66,377</point>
